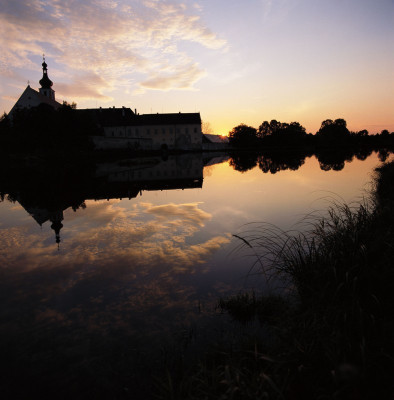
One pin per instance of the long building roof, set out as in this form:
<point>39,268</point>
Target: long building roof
<point>126,117</point>
<point>170,119</point>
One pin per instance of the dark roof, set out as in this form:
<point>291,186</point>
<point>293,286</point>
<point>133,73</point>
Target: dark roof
<point>215,138</point>
<point>110,116</point>
<point>126,117</point>
<point>169,119</point>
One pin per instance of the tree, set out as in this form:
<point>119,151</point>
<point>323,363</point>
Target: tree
<point>277,132</point>
<point>243,136</point>
<point>206,128</point>
<point>5,123</point>
<point>332,132</point>
<point>264,130</point>
<point>73,105</point>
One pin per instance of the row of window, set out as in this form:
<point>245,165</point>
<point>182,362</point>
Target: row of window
<point>130,132</point>
<point>158,173</point>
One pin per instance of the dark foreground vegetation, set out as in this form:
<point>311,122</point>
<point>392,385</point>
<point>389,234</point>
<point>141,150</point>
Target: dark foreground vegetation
<point>331,335</point>
<point>45,131</point>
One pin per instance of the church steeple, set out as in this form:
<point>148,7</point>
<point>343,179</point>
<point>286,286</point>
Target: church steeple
<point>45,82</point>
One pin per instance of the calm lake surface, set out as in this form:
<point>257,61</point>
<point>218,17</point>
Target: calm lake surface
<point>98,299</point>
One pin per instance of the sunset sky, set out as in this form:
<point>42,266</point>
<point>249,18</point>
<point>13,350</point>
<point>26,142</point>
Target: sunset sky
<point>233,61</point>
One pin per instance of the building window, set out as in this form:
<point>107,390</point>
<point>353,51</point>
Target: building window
<point>171,130</point>
<point>186,130</point>
<point>148,131</point>
<point>156,132</point>
<point>163,131</point>
<point>195,130</point>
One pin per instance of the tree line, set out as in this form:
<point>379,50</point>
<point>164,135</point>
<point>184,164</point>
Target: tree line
<point>44,129</point>
<point>331,133</point>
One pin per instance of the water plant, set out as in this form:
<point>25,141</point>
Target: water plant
<point>333,327</point>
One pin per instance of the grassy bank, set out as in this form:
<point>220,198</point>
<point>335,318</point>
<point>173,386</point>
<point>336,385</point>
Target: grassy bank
<point>331,336</point>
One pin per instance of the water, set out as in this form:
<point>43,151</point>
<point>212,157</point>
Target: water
<point>112,275</point>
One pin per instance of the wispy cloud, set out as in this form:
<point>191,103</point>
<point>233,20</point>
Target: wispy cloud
<point>100,43</point>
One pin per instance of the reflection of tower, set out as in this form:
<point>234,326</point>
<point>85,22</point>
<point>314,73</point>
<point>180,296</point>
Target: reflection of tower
<point>46,83</point>
<point>56,219</point>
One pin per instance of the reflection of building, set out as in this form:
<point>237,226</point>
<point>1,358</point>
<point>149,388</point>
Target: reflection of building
<point>128,178</point>
<point>43,212</point>
<point>148,170</point>
<point>123,179</point>
<point>31,98</point>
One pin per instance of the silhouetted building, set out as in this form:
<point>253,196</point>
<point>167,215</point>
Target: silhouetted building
<point>31,98</point>
<point>124,128</point>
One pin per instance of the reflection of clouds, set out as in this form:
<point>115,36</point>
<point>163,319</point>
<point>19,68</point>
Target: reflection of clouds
<point>183,212</point>
<point>98,213</point>
<point>108,233</point>
<point>160,240</point>
<point>118,268</point>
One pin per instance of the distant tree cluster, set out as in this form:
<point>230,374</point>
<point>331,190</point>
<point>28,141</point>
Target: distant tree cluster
<point>268,133</point>
<point>331,133</point>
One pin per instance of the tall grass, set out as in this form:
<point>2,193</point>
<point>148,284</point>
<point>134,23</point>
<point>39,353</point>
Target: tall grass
<point>335,337</point>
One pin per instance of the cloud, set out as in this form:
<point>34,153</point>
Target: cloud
<point>99,43</point>
<point>182,78</point>
<point>88,86</point>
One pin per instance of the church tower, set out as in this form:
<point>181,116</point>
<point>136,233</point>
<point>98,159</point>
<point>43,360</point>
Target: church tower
<point>46,83</point>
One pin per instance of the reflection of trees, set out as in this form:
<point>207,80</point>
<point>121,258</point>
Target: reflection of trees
<point>243,162</point>
<point>363,153</point>
<point>383,154</point>
<point>275,161</point>
<point>268,162</point>
<point>334,160</point>
<point>280,162</point>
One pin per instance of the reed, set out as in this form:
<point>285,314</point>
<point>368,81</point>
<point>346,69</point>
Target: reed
<point>334,336</point>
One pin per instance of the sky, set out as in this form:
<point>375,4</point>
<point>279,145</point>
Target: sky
<point>233,61</point>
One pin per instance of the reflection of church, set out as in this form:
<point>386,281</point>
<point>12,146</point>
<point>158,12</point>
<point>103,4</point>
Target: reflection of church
<point>46,200</point>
